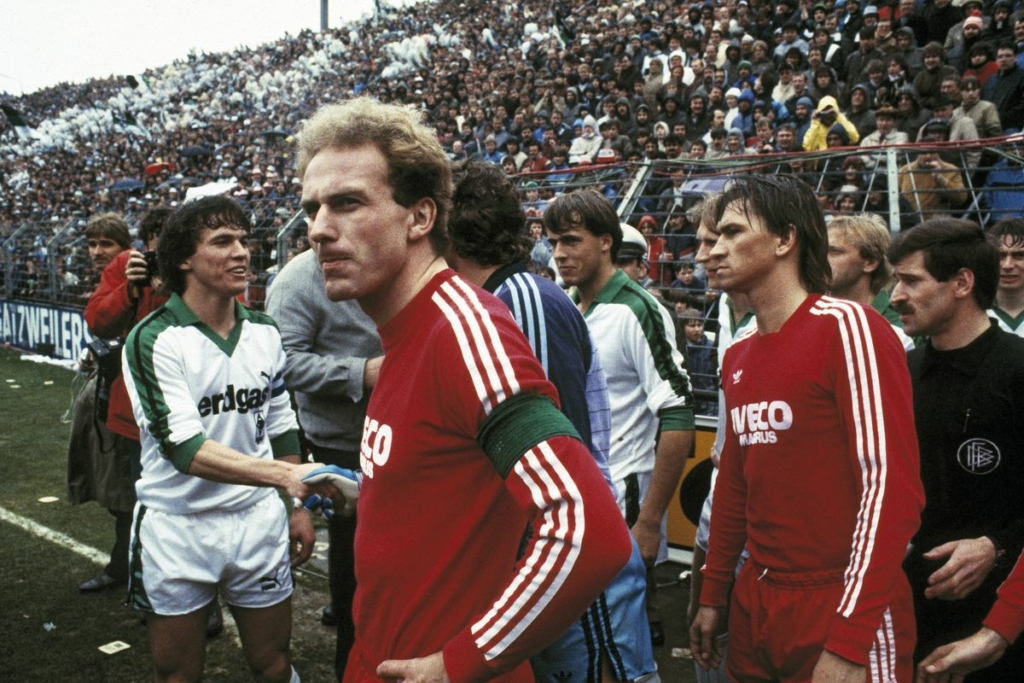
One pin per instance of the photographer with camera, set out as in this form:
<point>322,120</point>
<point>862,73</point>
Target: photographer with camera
<point>127,293</point>
<point>98,462</point>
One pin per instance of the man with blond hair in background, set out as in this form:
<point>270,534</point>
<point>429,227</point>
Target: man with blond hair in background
<point>860,272</point>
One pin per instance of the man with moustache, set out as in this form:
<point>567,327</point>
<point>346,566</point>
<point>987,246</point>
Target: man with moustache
<point>463,443</point>
<point>968,382</point>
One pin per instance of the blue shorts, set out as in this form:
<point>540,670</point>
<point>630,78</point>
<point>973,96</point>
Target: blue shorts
<point>614,628</point>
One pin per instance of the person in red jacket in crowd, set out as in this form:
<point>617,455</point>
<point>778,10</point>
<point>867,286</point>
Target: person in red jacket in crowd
<point>648,227</point>
<point>819,477</point>
<point>127,293</point>
<point>97,459</point>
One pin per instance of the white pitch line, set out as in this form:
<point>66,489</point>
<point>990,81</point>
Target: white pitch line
<point>48,534</point>
<point>89,553</point>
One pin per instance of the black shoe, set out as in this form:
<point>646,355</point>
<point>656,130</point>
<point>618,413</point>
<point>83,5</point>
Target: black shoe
<point>100,583</point>
<point>657,633</point>
<point>214,620</point>
<point>328,617</point>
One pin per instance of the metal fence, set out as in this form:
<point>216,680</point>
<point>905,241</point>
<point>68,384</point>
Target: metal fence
<point>48,262</point>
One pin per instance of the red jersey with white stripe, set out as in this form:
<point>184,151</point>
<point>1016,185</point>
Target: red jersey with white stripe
<point>1007,615</point>
<point>820,466</point>
<point>463,445</point>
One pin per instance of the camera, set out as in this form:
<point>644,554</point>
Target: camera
<point>152,269</point>
<point>108,367</point>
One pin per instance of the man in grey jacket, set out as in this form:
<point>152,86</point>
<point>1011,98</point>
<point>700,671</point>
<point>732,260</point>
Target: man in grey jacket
<point>334,355</point>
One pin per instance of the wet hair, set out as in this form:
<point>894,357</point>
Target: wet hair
<point>418,167</point>
<point>706,211</point>
<point>949,245</point>
<point>181,234</point>
<point>586,209</point>
<point>871,235</point>
<point>487,223</point>
<point>109,225</point>
<point>785,203</point>
<point>1011,228</point>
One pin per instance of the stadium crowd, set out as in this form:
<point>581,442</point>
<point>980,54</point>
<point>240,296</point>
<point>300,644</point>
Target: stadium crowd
<point>542,91</point>
<point>538,90</point>
<point>654,78</point>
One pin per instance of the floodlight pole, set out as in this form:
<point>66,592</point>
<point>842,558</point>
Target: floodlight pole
<point>323,15</point>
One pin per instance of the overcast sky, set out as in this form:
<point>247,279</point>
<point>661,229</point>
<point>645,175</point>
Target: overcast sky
<point>44,42</point>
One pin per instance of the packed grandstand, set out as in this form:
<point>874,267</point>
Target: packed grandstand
<point>651,102</point>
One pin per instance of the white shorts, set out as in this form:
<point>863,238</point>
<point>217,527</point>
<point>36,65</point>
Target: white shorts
<point>179,562</point>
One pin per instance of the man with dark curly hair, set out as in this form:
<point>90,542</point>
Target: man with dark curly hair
<point>490,247</point>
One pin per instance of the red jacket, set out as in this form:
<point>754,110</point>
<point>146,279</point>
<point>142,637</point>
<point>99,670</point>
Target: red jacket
<point>1007,615</point>
<point>110,314</point>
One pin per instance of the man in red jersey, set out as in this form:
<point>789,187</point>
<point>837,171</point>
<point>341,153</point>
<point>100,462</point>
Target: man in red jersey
<point>463,442</point>
<point>816,480</point>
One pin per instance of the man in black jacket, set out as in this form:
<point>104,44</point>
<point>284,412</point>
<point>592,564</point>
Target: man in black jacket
<point>1005,89</point>
<point>968,382</point>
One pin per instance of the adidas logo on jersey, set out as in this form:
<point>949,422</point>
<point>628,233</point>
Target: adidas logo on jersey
<point>243,400</point>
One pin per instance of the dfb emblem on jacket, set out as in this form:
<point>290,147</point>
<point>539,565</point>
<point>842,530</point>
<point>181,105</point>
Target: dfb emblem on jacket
<point>978,456</point>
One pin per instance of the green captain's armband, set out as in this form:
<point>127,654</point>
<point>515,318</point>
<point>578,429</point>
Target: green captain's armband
<point>517,425</point>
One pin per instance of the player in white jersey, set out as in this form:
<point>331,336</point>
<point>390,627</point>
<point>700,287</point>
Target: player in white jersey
<point>1008,310</point>
<point>205,379</point>
<point>648,390</point>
